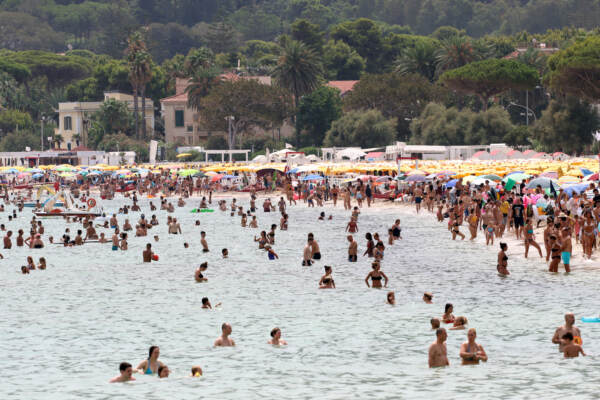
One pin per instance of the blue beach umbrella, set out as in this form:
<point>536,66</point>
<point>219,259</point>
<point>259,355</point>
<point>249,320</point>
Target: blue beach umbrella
<point>452,183</point>
<point>312,178</point>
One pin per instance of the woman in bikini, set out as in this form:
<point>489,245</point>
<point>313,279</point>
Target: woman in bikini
<point>529,240</point>
<point>151,365</point>
<point>588,234</point>
<point>555,249</point>
<point>327,281</point>
<point>262,240</point>
<point>502,265</point>
<point>376,275</point>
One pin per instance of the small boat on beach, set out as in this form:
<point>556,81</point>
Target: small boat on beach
<point>70,210</point>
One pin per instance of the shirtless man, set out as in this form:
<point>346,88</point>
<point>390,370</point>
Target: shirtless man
<point>438,356</point>
<point>566,248</point>
<point>276,339</point>
<point>316,251</point>
<point>126,373</point>
<point>307,255</point>
<point>352,249</point>
<point>471,352</point>
<point>567,327</point>
<point>7,241</point>
<point>147,254</point>
<point>174,227</point>
<point>224,340</point>
<point>418,192</point>
<point>115,241</point>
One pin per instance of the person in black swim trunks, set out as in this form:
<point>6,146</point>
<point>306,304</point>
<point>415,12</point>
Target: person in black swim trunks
<point>316,251</point>
<point>376,275</point>
<point>396,230</point>
<point>502,260</point>
<point>518,212</point>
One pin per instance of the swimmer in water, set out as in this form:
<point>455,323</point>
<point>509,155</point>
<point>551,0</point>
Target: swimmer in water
<point>147,254</point>
<point>327,281</point>
<point>198,274</point>
<point>225,253</point>
<point>459,323</point>
<point>203,242</point>
<point>391,298</point>
<point>376,275</point>
<point>126,372</point>
<point>196,371</point>
<point>163,371</point>
<point>276,339</point>
<point>271,253</point>
<point>502,265</point>
<point>472,352</point>
<point>150,365</point>
<point>42,264</point>
<point>224,340</point>
<point>314,246</point>
<point>571,349</point>
<point>448,317</point>
<point>438,355</point>
<point>435,323</point>
<point>568,327</point>
<point>352,249</point>
<point>24,270</point>
<point>428,298</point>
<point>306,260</point>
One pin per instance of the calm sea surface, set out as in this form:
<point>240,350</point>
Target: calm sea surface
<point>64,331</point>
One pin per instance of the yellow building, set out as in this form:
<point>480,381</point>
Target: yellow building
<point>182,123</point>
<point>74,117</point>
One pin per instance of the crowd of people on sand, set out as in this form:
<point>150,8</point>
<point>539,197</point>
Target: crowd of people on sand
<point>487,207</point>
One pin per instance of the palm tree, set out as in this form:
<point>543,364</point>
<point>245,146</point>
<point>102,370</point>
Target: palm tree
<point>420,59</point>
<point>299,70</point>
<point>455,52</point>
<point>200,84</point>
<point>135,44</point>
<point>145,74</point>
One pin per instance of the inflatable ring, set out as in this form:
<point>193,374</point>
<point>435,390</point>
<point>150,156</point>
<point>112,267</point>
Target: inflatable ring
<point>577,340</point>
<point>91,203</point>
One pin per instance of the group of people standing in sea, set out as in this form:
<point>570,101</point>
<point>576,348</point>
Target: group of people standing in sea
<point>495,211</point>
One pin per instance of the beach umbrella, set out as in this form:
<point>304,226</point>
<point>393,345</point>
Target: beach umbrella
<point>516,176</point>
<point>183,155</point>
<point>187,172</point>
<point>545,183</point>
<point>492,177</point>
<point>515,172</point>
<point>34,170</point>
<point>586,171</point>
<point>12,171</point>
<point>417,172</point>
<point>23,175</point>
<point>230,176</point>
<point>568,179</point>
<point>216,177</point>
<point>550,174</point>
<point>37,176</point>
<point>451,183</point>
<point>593,177</point>
<point>416,178</point>
<point>312,178</point>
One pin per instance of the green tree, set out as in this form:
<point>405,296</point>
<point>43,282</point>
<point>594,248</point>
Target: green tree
<point>393,95</point>
<point>341,62</point>
<point>420,59</point>
<point>250,103</point>
<point>316,112</point>
<point>455,52</point>
<point>140,73</point>
<point>362,128</point>
<point>364,36</point>
<point>308,33</point>
<point>19,72</point>
<point>19,141</point>
<point>14,120</point>
<point>20,31</point>
<point>112,118</point>
<point>200,85</point>
<point>567,125</point>
<point>198,59</point>
<point>576,69</point>
<point>490,77</point>
<point>298,70</point>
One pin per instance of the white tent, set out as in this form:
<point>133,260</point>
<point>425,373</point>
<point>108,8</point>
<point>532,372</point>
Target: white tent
<point>260,159</point>
<point>351,153</point>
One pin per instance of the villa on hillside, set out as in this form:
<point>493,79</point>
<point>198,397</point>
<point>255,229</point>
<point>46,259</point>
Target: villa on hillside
<point>74,118</point>
<point>183,124</point>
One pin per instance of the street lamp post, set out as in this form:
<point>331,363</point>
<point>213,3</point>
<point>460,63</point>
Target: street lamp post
<point>527,111</point>
<point>42,131</point>
<point>230,119</point>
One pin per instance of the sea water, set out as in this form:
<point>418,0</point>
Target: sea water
<point>64,331</point>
